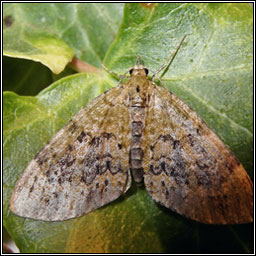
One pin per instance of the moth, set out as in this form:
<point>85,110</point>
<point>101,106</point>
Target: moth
<point>139,130</point>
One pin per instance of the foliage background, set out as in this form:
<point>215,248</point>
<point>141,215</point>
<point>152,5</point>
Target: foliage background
<point>212,73</point>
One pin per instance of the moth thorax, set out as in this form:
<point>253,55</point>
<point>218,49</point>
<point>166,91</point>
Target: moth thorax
<point>138,70</point>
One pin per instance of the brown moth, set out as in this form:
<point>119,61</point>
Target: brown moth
<point>141,129</point>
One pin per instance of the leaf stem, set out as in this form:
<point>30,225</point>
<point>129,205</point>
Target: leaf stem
<point>82,67</point>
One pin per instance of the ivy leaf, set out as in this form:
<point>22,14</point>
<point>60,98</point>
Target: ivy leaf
<point>26,73</point>
<point>134,223</point>
<point>50,33</point>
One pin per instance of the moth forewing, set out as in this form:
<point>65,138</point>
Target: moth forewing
<point>188,168</point>
<point>83,167</point>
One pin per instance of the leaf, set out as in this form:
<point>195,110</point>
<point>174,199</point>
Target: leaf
<point>50,33</point>
<point>26,73</point>
<point>134,223</point>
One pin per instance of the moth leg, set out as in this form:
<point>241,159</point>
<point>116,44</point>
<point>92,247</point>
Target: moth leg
<point>160,80</point>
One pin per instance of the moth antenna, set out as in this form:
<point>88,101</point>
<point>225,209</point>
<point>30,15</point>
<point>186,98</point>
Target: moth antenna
<point>120,77</point>
<point>170,59</point>
<point>110,72</point>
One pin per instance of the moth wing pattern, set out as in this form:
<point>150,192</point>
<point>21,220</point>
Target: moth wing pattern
<point>187,167</point>
<point>83,167</point>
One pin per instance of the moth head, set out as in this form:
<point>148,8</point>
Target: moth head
<point>138,70</point>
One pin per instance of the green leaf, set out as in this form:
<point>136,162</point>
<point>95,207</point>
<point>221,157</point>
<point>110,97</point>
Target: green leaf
<point>51,32</point>
<point>210,73</point>
<point>26,73</point>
